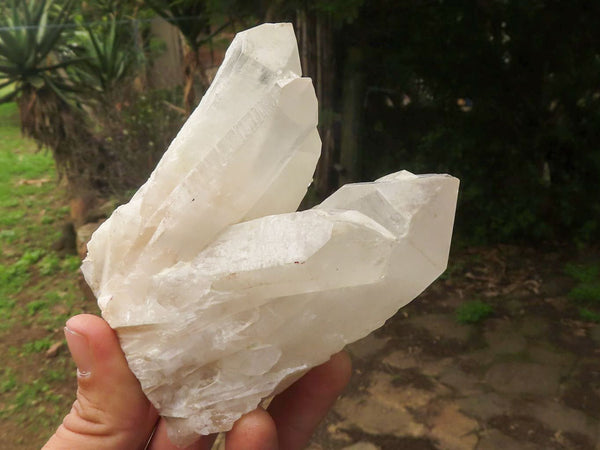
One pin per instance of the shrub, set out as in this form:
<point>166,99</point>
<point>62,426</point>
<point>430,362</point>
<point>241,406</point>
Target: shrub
<point>589,315</point>
<point>474,311</point>
<point>587,290</point>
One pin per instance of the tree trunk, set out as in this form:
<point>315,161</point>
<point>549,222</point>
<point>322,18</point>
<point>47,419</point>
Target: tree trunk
<point>352,95</point>
<point>193,69</point>
<point>190,64</point>
<point>315,39</point>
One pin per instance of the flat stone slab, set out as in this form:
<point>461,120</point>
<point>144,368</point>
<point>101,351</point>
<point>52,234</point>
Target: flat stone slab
<point>524,377</point>
<point>367,346</point>
<point>484,406</point>
<point>373,417</point>
<point>531,326</point>
<point>511,384</point>
<point>442,326</point>
<point>504,338</point>
<point>385,408</point>
<point>463,383</point>
<point>401,359</point>
<point>548,356</point>
<point>453,430</point>
<point>362,446</point>
<point>493,439</point>
<point>561,418</point>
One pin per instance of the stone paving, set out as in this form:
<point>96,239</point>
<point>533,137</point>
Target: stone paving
<point>525,379</point>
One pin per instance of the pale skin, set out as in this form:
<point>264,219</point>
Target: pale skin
<point>112,413</point>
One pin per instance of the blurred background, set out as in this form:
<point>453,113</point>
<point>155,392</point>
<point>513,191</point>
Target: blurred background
<point>503,94</point>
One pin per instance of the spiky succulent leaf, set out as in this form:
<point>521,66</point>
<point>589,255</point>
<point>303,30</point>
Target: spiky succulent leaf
<point>29,33</point>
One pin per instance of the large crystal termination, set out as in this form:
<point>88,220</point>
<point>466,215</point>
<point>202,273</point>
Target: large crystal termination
<point>221,295</point>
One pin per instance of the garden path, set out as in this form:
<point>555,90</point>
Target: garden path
<point>527,377</point>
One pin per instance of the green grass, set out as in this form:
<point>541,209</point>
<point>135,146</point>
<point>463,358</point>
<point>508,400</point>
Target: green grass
<point>38,291</point>
<point>473,312</point>
<point>37,346</point>
<point>586,292</point>
<point>49,265</point>
<point>589,315</point>
<point>584,273</point>
<point>9,381</point>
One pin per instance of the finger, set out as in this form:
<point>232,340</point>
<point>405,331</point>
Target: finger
<point>253,431</point>
<point>298,410</point>
<point>110,411</point>
<point>161,441</point>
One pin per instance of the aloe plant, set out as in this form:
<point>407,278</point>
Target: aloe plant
<point>106,55</point>
<point>192,18</point>
<point>29,33</point>
<point>31,64</point>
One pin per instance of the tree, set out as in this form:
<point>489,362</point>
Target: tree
<point>192,18</point>
<point>319,25</point>
<point>73,86</point>
<point>106,55</point>
<point>502,94</point>
<point>30,34</point>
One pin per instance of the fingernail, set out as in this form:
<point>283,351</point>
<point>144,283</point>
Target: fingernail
<point>80,351</point>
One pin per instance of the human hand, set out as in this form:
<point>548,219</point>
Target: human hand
<point>112,413</point>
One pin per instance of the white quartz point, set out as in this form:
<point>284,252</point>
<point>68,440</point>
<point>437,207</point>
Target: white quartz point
<point>272,297</point>
<point>249,149</point>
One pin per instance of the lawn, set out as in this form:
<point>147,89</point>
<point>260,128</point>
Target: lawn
<point>39,290</point>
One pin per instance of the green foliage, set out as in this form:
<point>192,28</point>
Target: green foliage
<point>37,346</point>
<point>33,62</point>
<point>49,265</point>
<point>586,291</point>
<point>60,76</point>
<point>140,123</point>
<point>29,381</point>
<point>35,306</point>
<point>11,218</point>
<point>71,263</point>
<point>200,21</point>
<point>340,10</point>
<point>455,267</point>
<point>31,394</point>
<point>584,273</point>
<point>29,33</point>
<point>30,257</point>
<point>8,380</point>
<point>14,276</point>
<point>55,375</point>
<point>107,55</point>
<point>589,315</point>
<point>527,150</point>
<point>6,310</point>
<point>474,311</point>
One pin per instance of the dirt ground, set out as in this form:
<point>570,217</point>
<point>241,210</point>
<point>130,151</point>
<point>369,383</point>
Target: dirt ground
<point>527,377</point>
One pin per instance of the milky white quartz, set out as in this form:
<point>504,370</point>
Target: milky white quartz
<point>221,295</point>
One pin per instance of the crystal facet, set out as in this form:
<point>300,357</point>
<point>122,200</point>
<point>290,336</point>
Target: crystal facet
<point>221,295</point>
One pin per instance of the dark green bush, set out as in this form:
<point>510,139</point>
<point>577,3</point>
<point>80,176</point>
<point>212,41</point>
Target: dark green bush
<point>473,311</point>
<point>527,146</point>
<point>586,292</point>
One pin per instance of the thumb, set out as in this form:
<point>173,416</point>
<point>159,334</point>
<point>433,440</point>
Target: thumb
<point>111,412</point>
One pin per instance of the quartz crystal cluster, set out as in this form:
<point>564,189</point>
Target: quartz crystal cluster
<point>220,293</point>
